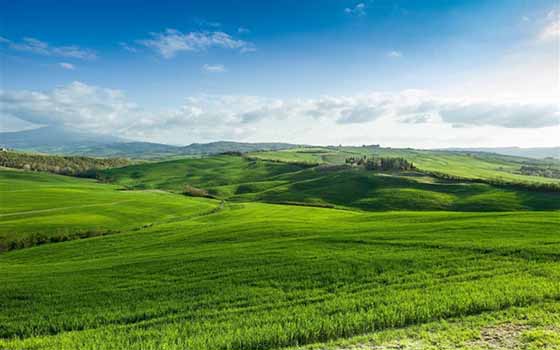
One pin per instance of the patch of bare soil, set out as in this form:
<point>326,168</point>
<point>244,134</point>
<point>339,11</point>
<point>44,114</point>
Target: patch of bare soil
<point>505,336</point>
<point>501,337</point>
<point>393,345</point>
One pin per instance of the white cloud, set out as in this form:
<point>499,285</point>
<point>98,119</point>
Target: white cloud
<point>346,119</point>
<point>77,104</point>
<point>39,47</point>
<point>243,30</point>
<point>214,68</point>
<point>394,54</point>
<point>505,114</point>
<point>128,47</point>
<point>358,10</point>
<point>67,65</point>
<point>172,41</point>
<point>551,30</point>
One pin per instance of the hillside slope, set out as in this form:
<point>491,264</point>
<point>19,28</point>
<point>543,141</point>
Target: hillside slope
<point>256,276</point>
<point>460,164</point>
<point>39,208</point>
<point>66,141</point>
<point>247,179</point>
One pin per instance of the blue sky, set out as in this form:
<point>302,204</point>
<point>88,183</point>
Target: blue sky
<point>460,73</point>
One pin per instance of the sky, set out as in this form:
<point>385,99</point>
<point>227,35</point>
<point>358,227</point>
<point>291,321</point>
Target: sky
<point>424,74</point>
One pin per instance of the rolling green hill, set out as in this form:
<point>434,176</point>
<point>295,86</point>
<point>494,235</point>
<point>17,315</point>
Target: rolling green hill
<point>261,276</point>
<point>67,141</point>
<point>39,208</point>
<point>129,266</point>
<point>471,165</point>
<point>244,179</point>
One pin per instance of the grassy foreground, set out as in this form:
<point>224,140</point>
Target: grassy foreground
<point>261,276</point>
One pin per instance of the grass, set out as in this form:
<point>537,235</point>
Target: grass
<point>198,273</point>
<point>260,276</point>
<point>460,164</point>
<point>532,327</point>
<point>241,179</point>
<point>38,207</point>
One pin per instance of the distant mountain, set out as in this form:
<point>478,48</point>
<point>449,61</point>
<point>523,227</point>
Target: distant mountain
<point>53,137</point>
<point>57,140</point>
<point>535,152</point>
<point>229,146</point>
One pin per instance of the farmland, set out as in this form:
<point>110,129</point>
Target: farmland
<point>134,263</point>
<point>39,207</point>
<point>246,179</point>
<point>472,165</point>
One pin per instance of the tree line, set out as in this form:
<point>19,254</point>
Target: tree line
<point>64,165</point>
<point>530,186</point>
<point>381,163</point>
<point>533,170</point>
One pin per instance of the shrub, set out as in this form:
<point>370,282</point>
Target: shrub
<point>192,191</point>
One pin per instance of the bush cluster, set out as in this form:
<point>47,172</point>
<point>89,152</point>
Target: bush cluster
<point>192,191</point>
<point>381,163</point>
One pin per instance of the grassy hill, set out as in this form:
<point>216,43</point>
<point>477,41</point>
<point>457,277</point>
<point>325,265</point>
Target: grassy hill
<point>471,165</point>
<point>67,141</point>
<point>245,179</point>
<point>256,276</point>
<point>135,264</point>
<point>38,208</point>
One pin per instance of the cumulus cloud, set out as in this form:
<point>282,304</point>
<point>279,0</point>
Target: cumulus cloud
<point>77,104</point>
<point>358,10</point>
<point>39,47</point>
<point>67,65</point>
<point>214,68</point>
<point>394,54</point>
<point>212,117</point>
<point>172,41</point>
<point>508,115</point>
<point>551,30</point>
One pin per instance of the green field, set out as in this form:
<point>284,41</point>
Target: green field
<point>134,264</point>
<point>243,179</point>
<point>462,164</point>
<point>267,276</point>
<point>39,207</point>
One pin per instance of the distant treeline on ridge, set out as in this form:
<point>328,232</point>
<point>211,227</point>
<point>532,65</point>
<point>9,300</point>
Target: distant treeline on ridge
<point>64,165</point>
<point>381,163</point>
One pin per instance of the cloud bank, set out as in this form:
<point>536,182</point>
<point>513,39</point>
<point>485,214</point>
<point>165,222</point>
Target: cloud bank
<point>212,117</point>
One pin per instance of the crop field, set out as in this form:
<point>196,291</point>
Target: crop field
<point>268,276</point>
<point>240,179</point>
<point>461,164</point>
<point>135,264</point>
<point>38,208</point>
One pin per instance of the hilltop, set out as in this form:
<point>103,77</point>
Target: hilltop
<point>263,177</point>
<point>67,141</point>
